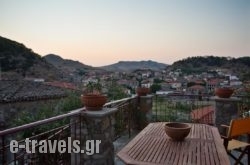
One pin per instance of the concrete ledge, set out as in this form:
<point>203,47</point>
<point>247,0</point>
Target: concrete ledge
<point>231,99</point>
<point>147,96</point>
<point>100,113</point>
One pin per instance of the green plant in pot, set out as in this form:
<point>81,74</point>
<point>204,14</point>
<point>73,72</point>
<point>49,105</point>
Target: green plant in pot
<point>141,90</point>
<point>93,99</point>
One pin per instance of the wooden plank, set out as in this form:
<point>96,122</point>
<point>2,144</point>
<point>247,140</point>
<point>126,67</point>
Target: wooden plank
<point>198,153</point>
<point>148,150</point>
<point>141,147</point>
<point>159,149</point>
<point>182,159</point>
<point>164,150</point>
<point>220,149</point>
<point>215,155</point>
<point>189,152</point>
<point>153,151</point>
<point>175,151</point>
<point>167,154</point>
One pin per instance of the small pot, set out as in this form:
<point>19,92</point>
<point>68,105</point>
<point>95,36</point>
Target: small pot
<point>142,91</point>
<point>93,102</point>
<point>225,92</point>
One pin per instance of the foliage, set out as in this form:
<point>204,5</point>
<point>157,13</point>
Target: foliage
<point>174,109</point>
<point>155,87</point>
<point>93,87</point>
<point>245,76</point>
<point>201,64</point>
<point>115,91</point>
<point>139,81</point>
<point>46,111</point>
<point>14,55</point>
<point>157,81</point>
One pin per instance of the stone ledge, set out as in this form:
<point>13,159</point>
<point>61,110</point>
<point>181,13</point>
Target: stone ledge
<point>231,99</point>
<point>147,96</point>
<point>100,113</point>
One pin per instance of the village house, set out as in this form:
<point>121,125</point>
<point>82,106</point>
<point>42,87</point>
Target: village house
<point>19,96</point>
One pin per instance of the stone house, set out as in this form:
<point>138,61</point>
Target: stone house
<point>19,96</point>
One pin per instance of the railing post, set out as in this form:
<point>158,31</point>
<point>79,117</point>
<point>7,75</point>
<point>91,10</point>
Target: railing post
<point>226,109</point>
<point>95,126</point>
<point>144,111</point>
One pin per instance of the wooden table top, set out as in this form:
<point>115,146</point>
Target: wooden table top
<point>203,146</point>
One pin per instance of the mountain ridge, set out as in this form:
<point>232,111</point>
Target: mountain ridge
<point>18,61</point>
<point>59,62</point>
<point>129,66</point>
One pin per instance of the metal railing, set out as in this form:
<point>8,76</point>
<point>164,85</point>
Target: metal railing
<point>181,108</point>
<point>124,117</point>
<point>192,108</point>
<point>57,128</point>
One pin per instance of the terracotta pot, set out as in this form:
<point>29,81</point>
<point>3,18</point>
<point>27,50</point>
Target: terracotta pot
<point>93,102</point>
<point>142,91</point>
<point>224,92</point>
<point>177,131</point>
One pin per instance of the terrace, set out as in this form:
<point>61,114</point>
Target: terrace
<point>115,125</point>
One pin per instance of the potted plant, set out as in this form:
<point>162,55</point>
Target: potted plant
<point>93,99</point>
<point>141,90</point>
<point>224,92</point>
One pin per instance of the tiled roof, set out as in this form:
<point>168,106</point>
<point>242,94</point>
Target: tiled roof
<point>16,91</point>
<point>203,115</point>
<point>197,87</point>
<point>62,85</point>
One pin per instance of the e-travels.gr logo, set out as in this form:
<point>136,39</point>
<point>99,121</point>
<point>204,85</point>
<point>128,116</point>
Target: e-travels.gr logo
<point>52,146</point>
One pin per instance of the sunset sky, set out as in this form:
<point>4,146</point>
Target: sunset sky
<point>102,32</point>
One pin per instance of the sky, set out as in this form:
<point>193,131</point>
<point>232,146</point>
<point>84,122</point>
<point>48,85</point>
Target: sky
<point>103,32</point>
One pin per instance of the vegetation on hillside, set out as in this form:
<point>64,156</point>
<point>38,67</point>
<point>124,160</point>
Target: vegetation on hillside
<point>16,58</point>
<point>199,64</point>
<point>65,105</point>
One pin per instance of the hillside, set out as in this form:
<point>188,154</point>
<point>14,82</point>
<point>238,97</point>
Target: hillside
<point>18,61</point>
<point>240,66</point>
<point>129,66</point>
<point>66,64</point>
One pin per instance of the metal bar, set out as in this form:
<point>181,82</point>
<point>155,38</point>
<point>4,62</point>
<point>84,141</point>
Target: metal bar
<point>3,148</point>
<point>40,122</point>
<point>129,118</point>
<point>15,158</point>
<point>80,124</point>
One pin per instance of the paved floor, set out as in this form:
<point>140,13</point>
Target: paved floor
<point>121,142</point>
<point>124,139</point>
<point>244,159</point>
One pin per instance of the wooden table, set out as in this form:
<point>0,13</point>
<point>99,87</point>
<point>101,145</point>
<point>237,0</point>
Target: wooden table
<point>203,146</point>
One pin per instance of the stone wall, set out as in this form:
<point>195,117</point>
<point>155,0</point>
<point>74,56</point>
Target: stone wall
<point>100,125</point>
<point>226,109</point>
<point>94,125</point>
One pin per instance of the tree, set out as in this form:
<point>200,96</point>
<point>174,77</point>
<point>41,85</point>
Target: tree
<point>156,80</point>
<point>155,87</point>
<point>115,91</point>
